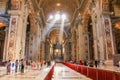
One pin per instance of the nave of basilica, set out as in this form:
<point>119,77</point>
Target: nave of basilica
<point>64,32</point>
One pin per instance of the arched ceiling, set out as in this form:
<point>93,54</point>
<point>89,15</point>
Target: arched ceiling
<point>50,7</point>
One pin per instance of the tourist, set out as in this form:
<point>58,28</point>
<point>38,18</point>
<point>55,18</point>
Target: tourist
<point>19,65</point>
<point>42,63</point>
<point>9,67</point>
<point>85,63</point>
<point>96,63</point>
<point>91,64</point>
<point>48,63</point>
<point>103,62</point>
<point>22,66</point>
<point>80,63</point>
<point>16,65</point>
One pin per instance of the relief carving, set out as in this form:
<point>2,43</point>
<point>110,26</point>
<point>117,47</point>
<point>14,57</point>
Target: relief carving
<point>108,38</point>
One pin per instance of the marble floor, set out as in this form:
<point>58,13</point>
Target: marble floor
<point>28,75</point>
<point>61,72</point>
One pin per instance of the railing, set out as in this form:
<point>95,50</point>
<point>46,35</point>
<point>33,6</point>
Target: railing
<point>94,73</point>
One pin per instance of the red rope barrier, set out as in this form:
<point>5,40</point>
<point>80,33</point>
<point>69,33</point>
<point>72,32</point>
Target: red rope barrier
<point>117,76</point>
<point>94,73</point>
<point>49,75</point>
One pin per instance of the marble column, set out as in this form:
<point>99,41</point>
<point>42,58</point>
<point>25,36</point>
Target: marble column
<point>73,48</point>
<point>108,37</point>
<point>12,35</point>
<point>47,49</point>
<point>5,44</point>
<point>106,22</point>
<point>82,43</point>
<point>15,38</point>
<point>43,50</point>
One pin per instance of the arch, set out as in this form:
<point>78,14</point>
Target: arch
<point>28,28</point>
<point>56,28</point>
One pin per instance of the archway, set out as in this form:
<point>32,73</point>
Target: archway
<point>2,40</point>
<point>55,40</point>
<point>116,33</point>
<point>115,9</point>
<point>27,39</point>
<point>115,19</point>
<point>90,39</point>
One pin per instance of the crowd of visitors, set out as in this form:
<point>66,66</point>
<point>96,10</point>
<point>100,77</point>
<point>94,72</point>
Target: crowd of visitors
<point>21,65</point>
<point>17,65</point>
<point>90,63</point>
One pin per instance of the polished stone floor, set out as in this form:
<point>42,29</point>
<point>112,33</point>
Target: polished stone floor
<point>29,74</point>
<point>62,72</point>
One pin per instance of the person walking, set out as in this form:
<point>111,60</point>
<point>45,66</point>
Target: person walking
<point>96,63</point>
<point>81,63</point>
<point>16,65</point>
<point>22,66</point>
<point>48,63</point>
<point>41,63</point>
<point>9,67</point>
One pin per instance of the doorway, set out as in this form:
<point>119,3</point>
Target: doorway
<point>2,39</point>
<point>27,39</point>
<point>91,42</point>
